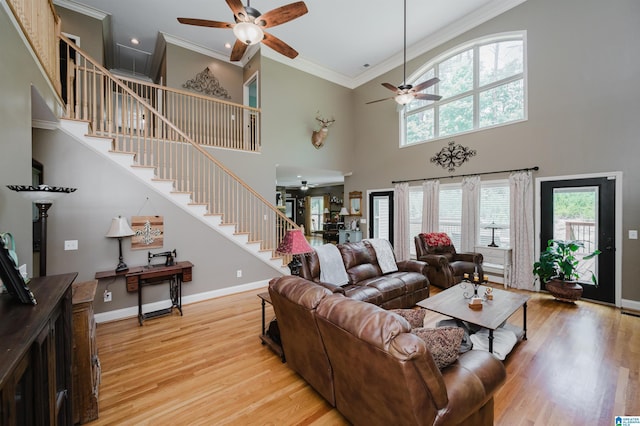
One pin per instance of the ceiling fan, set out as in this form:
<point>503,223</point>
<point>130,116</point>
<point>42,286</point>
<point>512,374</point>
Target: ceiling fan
<point>250,24</point>
<point>405,93</point>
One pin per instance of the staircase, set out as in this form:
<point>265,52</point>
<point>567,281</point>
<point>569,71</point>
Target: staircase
<point>111,117</point>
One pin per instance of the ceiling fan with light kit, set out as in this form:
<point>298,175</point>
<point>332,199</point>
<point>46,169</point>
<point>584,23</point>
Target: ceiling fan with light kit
<point>250,24</point>
<point>405,93</point>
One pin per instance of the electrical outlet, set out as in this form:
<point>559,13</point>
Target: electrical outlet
<point>71,245</point>
<point>239,273</point>
<point>107,296</point>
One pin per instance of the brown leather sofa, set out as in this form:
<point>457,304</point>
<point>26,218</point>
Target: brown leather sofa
<point>401,289</point>
<point>446,266</point>
<point>379,373</point>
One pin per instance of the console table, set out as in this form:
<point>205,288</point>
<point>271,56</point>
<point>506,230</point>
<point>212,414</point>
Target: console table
<point>496,261</point>
<point>138,277</point>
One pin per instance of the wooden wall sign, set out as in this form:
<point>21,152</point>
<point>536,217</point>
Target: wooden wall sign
<point>149,232</point>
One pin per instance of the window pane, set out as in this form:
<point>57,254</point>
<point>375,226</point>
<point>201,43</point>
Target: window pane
<point>456,74</point>
<point>502,104</point>
<point>451,213</point>
<point>456,116</point>
<point>500,60</point>
<point>418,103</point>
<point>420,126</point>
<point>494,209</point>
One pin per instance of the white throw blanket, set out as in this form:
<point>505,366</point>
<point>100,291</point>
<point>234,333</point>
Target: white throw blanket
<point>384,253</point>
<point>503,341</point>
<point>331,266</point>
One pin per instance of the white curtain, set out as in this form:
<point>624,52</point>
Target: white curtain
<point>401,237</point>
<point>430,205</point>
<point>521,230</point>
<point>469,221</point>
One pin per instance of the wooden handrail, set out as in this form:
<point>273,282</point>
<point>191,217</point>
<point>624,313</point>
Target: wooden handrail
<point>183,92</point>
<point>207,120</point>
<point>115,110</point>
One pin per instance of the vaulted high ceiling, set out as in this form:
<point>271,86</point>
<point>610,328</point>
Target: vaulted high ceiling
<point>348,42</point>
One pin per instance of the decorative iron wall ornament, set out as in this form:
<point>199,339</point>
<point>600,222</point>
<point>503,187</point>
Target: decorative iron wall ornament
<point>453,156</point>
<point>205,82</point>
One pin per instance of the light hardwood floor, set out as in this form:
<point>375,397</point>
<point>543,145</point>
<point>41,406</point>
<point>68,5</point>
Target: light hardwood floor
<point>580,366</point>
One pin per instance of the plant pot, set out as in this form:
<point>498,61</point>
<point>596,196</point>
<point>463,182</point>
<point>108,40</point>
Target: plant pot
<point>565,291</point>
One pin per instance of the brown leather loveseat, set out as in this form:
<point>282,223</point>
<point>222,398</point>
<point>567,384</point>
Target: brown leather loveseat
<point>364,361</point>
<point>400,289</point>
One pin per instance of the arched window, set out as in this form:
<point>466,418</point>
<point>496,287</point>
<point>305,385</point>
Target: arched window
<point>482,84</point>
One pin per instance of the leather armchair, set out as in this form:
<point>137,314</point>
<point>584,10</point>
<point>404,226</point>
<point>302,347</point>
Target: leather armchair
<point>446,266</point>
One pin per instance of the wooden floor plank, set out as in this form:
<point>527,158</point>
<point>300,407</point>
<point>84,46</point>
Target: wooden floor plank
<point>580,365</point>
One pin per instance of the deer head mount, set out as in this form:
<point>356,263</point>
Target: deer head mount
<point>318,136</point>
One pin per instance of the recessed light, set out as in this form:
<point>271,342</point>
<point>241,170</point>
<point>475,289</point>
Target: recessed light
<point>227,45</point>
<point>135,41</point>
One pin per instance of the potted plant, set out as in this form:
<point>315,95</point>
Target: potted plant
<point>558,269</point>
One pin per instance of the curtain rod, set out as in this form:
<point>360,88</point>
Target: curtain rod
<point>470,174</point>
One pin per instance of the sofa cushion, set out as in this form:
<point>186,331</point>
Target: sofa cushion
<point>443,343</point>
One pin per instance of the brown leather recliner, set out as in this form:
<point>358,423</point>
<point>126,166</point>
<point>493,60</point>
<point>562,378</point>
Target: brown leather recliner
<point>446,266</point>
<point>384,375</point>
<point>295,308</point>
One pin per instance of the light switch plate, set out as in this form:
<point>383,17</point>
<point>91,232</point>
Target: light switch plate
<point>71,245</point>
<point>633,234</point>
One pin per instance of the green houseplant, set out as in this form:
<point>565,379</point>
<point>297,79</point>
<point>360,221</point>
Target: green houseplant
<point>558,269</point>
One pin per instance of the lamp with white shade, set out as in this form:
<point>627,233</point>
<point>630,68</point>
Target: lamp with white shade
<point>119,229</point>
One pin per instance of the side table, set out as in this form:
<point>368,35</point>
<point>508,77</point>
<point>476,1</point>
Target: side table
<point>85,362</point>
<point>264,337</point>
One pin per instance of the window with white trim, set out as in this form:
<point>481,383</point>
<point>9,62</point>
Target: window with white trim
<point>482,84</point>
<point>494,209</point>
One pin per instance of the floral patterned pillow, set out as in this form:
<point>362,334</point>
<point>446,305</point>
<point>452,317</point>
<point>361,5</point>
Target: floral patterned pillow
<point>415,317</point>
<point>435,239</point>
<point>442,342</point>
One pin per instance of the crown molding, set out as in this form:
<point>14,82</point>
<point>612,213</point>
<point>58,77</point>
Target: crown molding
<point>185,44</point>
<point>81,8</point>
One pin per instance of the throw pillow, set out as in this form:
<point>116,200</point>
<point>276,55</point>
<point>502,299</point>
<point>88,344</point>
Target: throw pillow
<point>435,239</point>
<point>415,317</point>
<point>443,343</point>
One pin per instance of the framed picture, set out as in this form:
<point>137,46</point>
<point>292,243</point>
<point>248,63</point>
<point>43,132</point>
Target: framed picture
<point>12,279</point>
<point>355,199</point>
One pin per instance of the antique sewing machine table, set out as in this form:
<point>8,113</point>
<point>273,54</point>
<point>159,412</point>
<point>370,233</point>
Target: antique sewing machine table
<point>138,277</point>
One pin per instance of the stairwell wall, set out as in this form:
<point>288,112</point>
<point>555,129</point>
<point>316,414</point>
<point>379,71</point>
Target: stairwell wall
<point>19,75</point>
<point>106,190</point>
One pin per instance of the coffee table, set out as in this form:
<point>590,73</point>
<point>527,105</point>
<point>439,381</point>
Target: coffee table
<point>452,303</point>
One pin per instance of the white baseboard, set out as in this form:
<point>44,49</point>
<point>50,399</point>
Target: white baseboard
<point>132,311</point>
<point>631,304</point>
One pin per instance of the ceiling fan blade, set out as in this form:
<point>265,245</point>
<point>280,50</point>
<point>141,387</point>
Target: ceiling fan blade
<point>427,97</point>
<point>279,46</point>
<point>238,51</point>
<point>380,100</point>
<point>282,14</point>
<point>390,87</point>
<point>237,8</point>
<point>205,23</point>
<point>420,87</point>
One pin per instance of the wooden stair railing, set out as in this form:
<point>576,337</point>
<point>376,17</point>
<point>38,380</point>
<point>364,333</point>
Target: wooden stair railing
<point>114,110</point>
<point>207,121</point>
